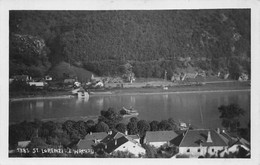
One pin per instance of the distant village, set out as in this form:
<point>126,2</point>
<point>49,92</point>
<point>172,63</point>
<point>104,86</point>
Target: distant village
<point>126,80</point>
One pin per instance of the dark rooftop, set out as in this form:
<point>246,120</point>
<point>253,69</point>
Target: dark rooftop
<point>115,140</point>
<point>114,144</point>
<point>85,144</point>
<point>96,135</point>
<point>160,136</point>
<point>193,138</point>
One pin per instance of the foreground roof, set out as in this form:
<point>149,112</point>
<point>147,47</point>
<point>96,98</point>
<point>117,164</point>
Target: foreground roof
<point>95,136</point>
<point>195,138</point>
<point>160,136</point>
<point>134,136</point>
<point>24,143</point>
<point>85,144</point>
<point>115,140</point>
<point>227,138</point>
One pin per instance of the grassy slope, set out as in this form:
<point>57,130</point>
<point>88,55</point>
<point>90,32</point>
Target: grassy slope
<point>63,67</point>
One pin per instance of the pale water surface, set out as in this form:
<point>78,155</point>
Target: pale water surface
<point>200,109</point>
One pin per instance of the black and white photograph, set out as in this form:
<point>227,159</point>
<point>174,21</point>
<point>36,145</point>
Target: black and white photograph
<point>141,83</point>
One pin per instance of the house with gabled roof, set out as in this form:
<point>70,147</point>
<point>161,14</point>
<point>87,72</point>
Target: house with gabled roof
<point>91,140</point>
<point>23,144</point>
<point>86,145</point>
<point>235,145</point>
<point>135,137</point>
<point>98,136</point>
<point>158,138</point>
<point>200,142</point>
<point>117,141</point>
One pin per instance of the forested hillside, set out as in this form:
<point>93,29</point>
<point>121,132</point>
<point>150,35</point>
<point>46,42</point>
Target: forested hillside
<point>151,41</point>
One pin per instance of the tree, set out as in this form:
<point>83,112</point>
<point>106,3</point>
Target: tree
<point>80,127</point>
<point>235,68</point>
<point>121,127</point>
<point>126,71</point>
<point>68,126</point>
<point>18,85</point>
<point>143,126</point>
<point>102,127</point>
<point>39,143</point>
<point>22,131</point>
<point>164,125</point>
<point>150,151</point>
<point>172,123</point>
<point>110,117</point>
<point>122,154</point>
<point>90,126</point>
<point>122,112</point>
<point>134,119</point>
<point>132,128</point>
<point>166,151</point>
<point>154,125</point>
<point>230,115</point>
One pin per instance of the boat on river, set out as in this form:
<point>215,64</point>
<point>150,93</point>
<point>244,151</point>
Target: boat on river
<point>183,126</point>
<point>128,112</point>
<point>83,94</point>
<point>80,93</point>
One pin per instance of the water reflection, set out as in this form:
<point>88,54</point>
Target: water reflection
<point>82,100</point>
<point>50,104</point>
<point>132,98</point>
<point>39,104</point>
<point>99,103</point>
<point>200,109</point>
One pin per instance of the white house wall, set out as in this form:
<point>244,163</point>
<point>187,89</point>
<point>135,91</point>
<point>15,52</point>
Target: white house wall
<point>37,84</point>
<point>235,148</point>
<point>194,151</point>
<point>132,148</point>
<point>157,144</point>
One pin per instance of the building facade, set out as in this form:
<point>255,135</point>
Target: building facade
<point>200,142</point>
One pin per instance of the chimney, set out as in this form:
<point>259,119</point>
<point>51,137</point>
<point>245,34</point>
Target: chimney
<point>90,133</point>
<point>115,142</point>
<point>109,133</point>
<point>200,143</point>
<point>218,130</point>
<point>126,133</point>
<point>209,140</point>
<point>105,146</point>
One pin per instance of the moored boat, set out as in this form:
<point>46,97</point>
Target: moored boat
<point>81,93</point>
<point>183,126</point>
<point>128,112</point>
<point>129,109</point>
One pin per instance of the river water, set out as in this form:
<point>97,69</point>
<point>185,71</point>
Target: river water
<point>199,109</point>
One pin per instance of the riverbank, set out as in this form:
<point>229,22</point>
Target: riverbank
<point>227,86</point>
<point>41,98</point>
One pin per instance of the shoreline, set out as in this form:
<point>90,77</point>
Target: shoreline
<point>41,98</point>
<point>127,93</point>
<point>183,92</point>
